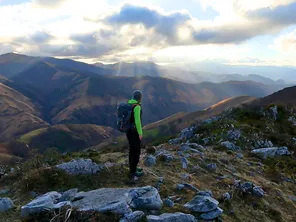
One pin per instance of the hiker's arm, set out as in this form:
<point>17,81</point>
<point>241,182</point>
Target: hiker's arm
<point>137,114</point>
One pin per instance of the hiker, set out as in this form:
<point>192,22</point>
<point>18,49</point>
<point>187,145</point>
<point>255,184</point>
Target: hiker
<point>134,135</point>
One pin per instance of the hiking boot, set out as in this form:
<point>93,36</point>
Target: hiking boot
<point>139,174</point>
<point>139,170</point>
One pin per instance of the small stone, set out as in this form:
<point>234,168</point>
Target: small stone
<point>206,141</point>
<point>274,112</point>
<point>180,187</point>
<point>212,166</point>
<point>184,162</point>
<point>185,176</point>
<point>168,203</point>
<point>258,191</point>
<point>247,187</point>
<point>5,191</point>
<point>226,196</point>
<point>5,204</point>
<point>292,198</point>
<point>240,156</point>
<point>150,161</point>
<point>168,157</point>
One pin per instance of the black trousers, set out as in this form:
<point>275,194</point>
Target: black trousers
<point>134,150</point>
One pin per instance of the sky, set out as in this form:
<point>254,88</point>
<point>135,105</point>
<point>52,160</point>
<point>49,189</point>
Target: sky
<point>236,32</point>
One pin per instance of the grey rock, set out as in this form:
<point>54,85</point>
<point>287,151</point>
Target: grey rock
<point>211,120</point>
<point>292,198</point>
<point>168,157</point>
<point>184,162</point>
<point>234,134</point>
<point>150,161</point>
<point>159,183</point>
<point>212,214</point>
<point>187,133</point>
<point>146,198</point>
<point>206,193</point>
<point>230,146</point>
<point>41,204</point>
<point>247,187</point>
<point>258,191</point>
<point>212,166</point>
<point>81,166</point>
<point>104,200</point>
<point>168,203</point>
<point>274,112</point>
<point>206,140</point>
<point>202,204</point>
<point>69,195</point>
<point>240,156</point>
<point>185,176</point>
<point>263,144</point>
<point>169,217</point>
<point>4,191</point>
<point>190,187</point>
<point>5,204</point>
<point>175,141</point>
<point>133,217</point>
<point>226,196</point>
<point>180,186</point>
<point>120,201</point>
<point>271,152</point>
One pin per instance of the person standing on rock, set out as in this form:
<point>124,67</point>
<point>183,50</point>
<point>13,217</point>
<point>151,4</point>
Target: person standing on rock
<point>135,135</point>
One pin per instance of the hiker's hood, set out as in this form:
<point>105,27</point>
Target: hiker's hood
<point>133,101</point>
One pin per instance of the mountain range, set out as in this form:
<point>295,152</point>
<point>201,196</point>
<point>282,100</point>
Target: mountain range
<point>11,64</point>
<point>38,93</point>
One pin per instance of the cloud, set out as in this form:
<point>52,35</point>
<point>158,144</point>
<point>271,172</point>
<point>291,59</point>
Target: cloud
<point>93,28</point>
<point>49,3</point>
<point>164,24</point>
<point>280,15</point>
<point>286,42</point>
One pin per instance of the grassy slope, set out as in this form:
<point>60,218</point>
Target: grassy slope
<point>67,137</point>
<point>18,114</point>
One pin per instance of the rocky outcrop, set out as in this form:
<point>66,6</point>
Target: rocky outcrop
<point>206,205</point>
<point>120,201</point>
<point>171,217</point>
<point>271,152</point>
<point>81,166</point>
